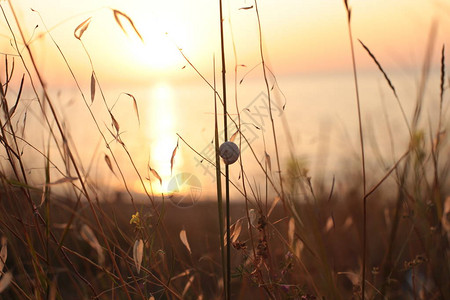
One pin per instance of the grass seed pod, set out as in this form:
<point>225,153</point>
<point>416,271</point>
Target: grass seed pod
<point>229,152</point>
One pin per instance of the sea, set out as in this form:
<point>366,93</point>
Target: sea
<point>161,140</point>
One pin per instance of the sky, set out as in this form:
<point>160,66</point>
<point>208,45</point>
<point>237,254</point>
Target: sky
<point>299,36</point>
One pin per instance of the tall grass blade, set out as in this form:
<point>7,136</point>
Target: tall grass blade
<point>252,217</point>
<point>88,235</point>
<point>349,11</point>
<point>237,227</point>
<point>135,106</point>
<point>445,220</point>
<point>79,31</point>
<point>426,66</point>
<point>291,232</point>
<point>62,180</point>
<point>53,290</point>
<point>269,102</point>
<point>329,225</point>
<point>363,159</point>
<point>273,205</point>
<point>5,281</point>
<point>184,240</point>
<point>187,286</point>
<point>442,89</point>
<point>92,87</point>
<point>3,254</point>
<point>138,253</point>
<point>182,274</point>
<point>233,137</point>
<point>219,183</point>
<point>118,14</point>
<point>172,158</point>
<point>388,80</point>
<point>268,161</point>
<point>153,171</point>
<point>442,75</point>
<point>380,68</point>
<point>227,175</point>
<point>298,248</point>
<point>24,123</point>
<point>114,122</point>
<point>19,93</point>
<point>108,162</point>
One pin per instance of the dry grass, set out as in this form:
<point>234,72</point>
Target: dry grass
<point>307,242</point>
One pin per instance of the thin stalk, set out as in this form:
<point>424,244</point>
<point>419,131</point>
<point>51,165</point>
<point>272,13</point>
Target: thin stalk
<point>435,152</point>
<point>219,180</point>
<point>269,100</point>
<point>63,136</point>
<point>227,174</point>
<point>242,135</point>
<point>241,164</point>
<point>35,211</point>
<point>363,160</point>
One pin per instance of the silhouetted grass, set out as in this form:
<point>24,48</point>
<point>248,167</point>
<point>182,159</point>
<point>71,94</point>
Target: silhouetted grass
<point>389,240</point>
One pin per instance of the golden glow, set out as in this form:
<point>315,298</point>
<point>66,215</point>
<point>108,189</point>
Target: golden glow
<point>161,132</point>
<point>298,35</point>
<point>157,51</point>
<point>184,189</point>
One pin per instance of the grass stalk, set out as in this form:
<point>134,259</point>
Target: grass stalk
<point>298,253</point>
<point>363,160</point>
<point>241,163</point>
<point>269,100</point>
<point>63,136</point>
<point>219,185</point>
<point>227,171</point>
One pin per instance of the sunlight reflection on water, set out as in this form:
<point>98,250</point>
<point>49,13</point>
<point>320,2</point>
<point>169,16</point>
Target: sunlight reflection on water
<point>160,128</point>
<point>320,113</point>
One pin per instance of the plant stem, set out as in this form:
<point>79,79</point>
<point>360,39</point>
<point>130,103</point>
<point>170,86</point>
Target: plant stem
<point>70,154</point>
<point>269,100</point>
<point>219,180</point>
<point>363,160</point>
<point>225,128</point>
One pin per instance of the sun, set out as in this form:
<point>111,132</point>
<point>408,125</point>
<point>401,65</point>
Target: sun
<point>161,33</point>
<point>157,52</point>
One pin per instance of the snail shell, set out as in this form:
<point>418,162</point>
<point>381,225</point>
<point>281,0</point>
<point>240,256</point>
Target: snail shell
<point>229,152</point>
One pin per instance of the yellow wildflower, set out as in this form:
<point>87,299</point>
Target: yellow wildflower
<point>135,219</point>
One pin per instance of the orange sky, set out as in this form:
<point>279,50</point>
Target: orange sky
<point>299,36</point>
